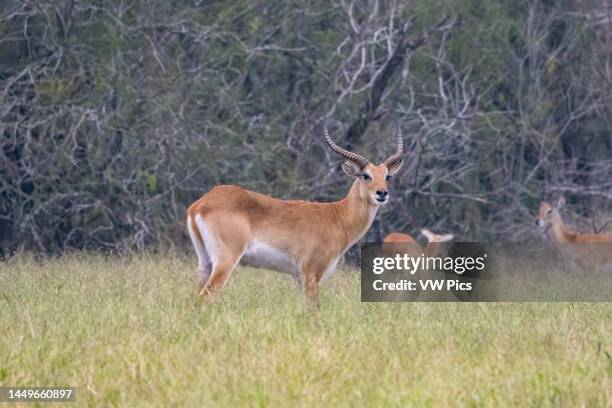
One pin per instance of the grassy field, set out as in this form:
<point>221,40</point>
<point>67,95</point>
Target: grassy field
<point>127,332</point>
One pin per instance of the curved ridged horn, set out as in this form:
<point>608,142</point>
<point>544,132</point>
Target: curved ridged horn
<point>354,157</point>
<point>397,157</point>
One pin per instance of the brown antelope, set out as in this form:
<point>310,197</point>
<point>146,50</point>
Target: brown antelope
<point>432,248</point>
<point>591,249</point>
<point>405,244</point>
<point>231,225</point>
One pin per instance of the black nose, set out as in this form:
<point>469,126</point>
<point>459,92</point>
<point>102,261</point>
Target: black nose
<point>382,193</point>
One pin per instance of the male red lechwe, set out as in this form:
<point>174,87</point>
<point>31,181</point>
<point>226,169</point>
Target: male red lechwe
<point>231,225</point>
<point>590,249</point>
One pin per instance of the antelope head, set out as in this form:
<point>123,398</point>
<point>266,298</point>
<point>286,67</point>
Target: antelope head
<point>371,179</point>
<point>549,214</point>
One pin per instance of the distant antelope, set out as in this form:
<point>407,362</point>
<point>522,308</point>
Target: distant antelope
<point>432,248</point>
<point>590,249</point>
<point>229,225</point>
<point>407,245</point>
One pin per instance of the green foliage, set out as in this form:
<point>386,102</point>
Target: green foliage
<point>51,91</point>
<point>149,182</point>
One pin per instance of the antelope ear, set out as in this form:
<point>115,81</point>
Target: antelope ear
<point>351,169</point>
<point>560,203</point>
<point>394,168</point>
<point>446,237</point>
<point>427,233</point>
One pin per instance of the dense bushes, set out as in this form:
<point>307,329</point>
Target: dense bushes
<point>115,115</point>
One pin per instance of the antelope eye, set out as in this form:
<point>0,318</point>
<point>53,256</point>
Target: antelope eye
<point>388,177</point>
<point>549,211</point>
<point>367,177</point>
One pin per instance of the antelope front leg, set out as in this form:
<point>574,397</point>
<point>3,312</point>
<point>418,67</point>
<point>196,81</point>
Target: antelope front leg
<point>311,276</point>
<point>311,290</point>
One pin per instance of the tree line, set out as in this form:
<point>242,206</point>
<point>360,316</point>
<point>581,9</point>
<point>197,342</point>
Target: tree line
<point>115,115</point>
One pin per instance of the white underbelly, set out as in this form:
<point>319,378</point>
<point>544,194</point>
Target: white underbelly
<point>262,255</point>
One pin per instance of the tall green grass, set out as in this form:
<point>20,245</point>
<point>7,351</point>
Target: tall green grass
<point>126,331</point>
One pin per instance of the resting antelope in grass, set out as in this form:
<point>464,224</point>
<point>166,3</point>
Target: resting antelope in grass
<point>405,244</point>
<point>432,248</point>
<point>231,225</point>
<point>590,249</point>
